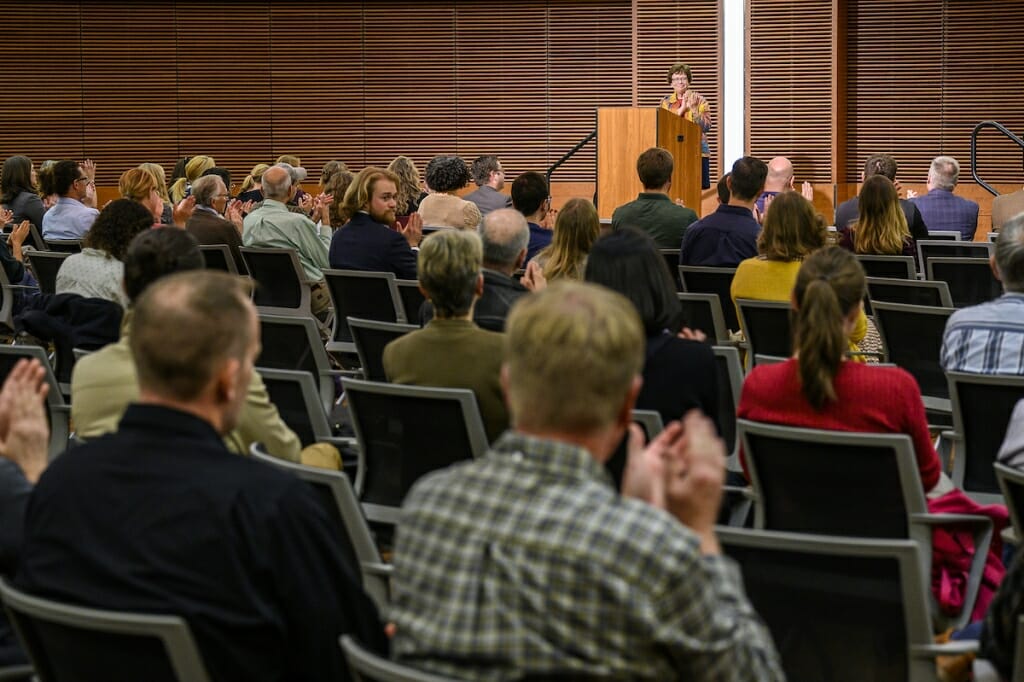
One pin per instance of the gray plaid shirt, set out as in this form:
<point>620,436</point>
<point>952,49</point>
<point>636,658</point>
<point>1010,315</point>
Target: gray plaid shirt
<point>528,562</point>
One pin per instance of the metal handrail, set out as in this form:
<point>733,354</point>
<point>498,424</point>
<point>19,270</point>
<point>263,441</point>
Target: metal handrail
<point>580,145</point>
<point>974,149</point>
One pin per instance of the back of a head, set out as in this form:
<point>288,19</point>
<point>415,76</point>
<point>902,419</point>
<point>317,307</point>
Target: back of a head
<point>336,186</point>
<point>723,189</point>
<point>136,184</point>
<point>329,169</point>
<point>944,172</point>
<point>1010,254</point>
<point>449,265</point>
<point>254,176</point>
<point>116,226</point>
<point>505,234</point>
<point>747,178</point>
<point>185,327</point>
<point>223,173</point>
<point>277,183</point>
<point>447,173</point>
<point>529,191</point>
<point>290,159</point>
<point>59,177</point>
<point>881,164</point>
<point>358,195</point>
<point>154,254</point>
<point>408,183</point>
<point>654,167</point>
<point>572,352</point>
<point>15,178</point>
<point>483,166</point>
<point>780,174</point>
<point>576,229</point>
<point>881,226</point>
<point>792,228</point>
<point>628,261</point>
<point>161,178</point>
<point>206,188</point>
<point>194,169</point>
<point>829,286</point>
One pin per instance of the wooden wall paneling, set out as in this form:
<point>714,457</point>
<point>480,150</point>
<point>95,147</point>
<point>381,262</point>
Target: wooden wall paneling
<point>42,81</point>
<point>317,84</point>
<point>837,172</point>
<point>129,82</point>
<point>689,31</point>
<point>589,65</point>
<point>224,84</point>
<point>790,85</point>
<point>500,58</point>
<point>411,96</point>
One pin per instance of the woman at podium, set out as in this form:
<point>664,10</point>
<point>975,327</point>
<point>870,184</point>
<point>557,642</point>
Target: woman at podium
<point>692,106</point>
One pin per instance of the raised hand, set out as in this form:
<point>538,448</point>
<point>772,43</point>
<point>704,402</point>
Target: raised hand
<point>413,230</point>
<point>534,279</point>
<point>183,211</point>
<point>24,430</point>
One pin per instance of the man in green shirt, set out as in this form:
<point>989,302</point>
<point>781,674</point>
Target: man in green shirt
<point>653,211</point>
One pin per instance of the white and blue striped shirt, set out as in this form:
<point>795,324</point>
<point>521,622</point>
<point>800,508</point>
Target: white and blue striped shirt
<point>986,338</point>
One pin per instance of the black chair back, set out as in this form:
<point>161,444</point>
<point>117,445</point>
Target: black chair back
<point>982,410</point>
<point>970,280</point>
<point>671,257</point>
<point>277,285</point>
<point>218,257</point>
<point>910,292</point>
<point>708,280</point>
<point>899,267</point>
<point>767,327</point>
<point>285,346</point>
<point>704,312</point>
<point>939,248</point>
<point>412,299</point>
<point>64,245</point>
<point>291,404</point>
<point>912,338</point>
<point>370,338</point>
<point>365,295</point>
<point>45,265</point>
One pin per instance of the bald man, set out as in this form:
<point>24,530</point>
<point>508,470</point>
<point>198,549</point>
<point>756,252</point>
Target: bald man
<point>780,179</point>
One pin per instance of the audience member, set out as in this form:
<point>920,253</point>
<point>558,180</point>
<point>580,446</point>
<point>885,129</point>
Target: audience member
<point>336,187</point>
<point>442,207</point>
<point>222,173</point>
<point>252,186</point>
<point>272,225</point>
<point>12,258</point>
<point>104,383</point>
<point>299,174</point>
<point>18,190</point>
<point>372,240</point>
<point>160,517</point>
<point>194,169</point>
<point>780,179</point>
<point>722,188</point>
<point>576,229</point>
<point>69,218</point>
<point>999,632</point>
<point>653,211</point>
<point>940,208</point>
<point>530,196</point>
<point>142,186</point>
<point>1006,206</point>
<point>679,372</point>
<point>410,191</point>
<point>529,564</point>
<point>882,164</point>
<point>489,176</point>
<point>24,448</point>
<point>217,219</point>
<point>729,235</point>
<point>328,171</point>
<point>167,217</point>
<point>97,271</point>
<point>451,351</point>
<point>881,226</point>
<point>819,388</point>
<point>987,338</point>
<point>792,231</point>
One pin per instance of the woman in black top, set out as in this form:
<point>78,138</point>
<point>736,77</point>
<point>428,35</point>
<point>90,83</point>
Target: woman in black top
<point>18,191</point>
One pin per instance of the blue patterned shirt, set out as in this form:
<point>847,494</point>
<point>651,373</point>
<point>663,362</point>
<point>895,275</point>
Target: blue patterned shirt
<point>528,563</point>
<point>986,338</point>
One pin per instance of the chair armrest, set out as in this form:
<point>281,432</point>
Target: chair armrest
<point>981,532</point>
<point>947,519</point>
<point>381,569</point>
<point>951,435</point>
<point>350,373</point>
<point>954,648</point>
<point>21,286</point>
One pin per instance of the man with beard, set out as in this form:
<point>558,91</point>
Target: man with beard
<point>374,240</point>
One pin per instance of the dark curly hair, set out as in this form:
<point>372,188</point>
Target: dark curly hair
<point>116,226</point>
<point>447,173</point>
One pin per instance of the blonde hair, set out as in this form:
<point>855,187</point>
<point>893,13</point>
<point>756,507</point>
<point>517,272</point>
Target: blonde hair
<point>194,169</point>
<point>137,183</point>
<point>336,186</point>
<point>161,178</point>
<point>449,265</point>
<point>572,352</point>
<point>290,159</point>
<point>792,229</point>
<point>359,193</point>
<point>881,226</point>
<point>576,229</point>
<point>408,183</point>
<point>254,176</point>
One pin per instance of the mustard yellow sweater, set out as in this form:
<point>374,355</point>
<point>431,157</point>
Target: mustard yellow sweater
<point>773,280</point>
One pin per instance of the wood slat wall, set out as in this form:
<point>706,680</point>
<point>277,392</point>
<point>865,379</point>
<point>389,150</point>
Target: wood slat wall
<point>689,31</point>
<point>789,84</point>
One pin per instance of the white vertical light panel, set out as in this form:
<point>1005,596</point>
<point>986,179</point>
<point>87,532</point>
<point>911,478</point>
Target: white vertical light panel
<point>733,81</point>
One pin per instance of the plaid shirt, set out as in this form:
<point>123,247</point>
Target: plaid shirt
<point>987,338</point>
<point>528,562</point>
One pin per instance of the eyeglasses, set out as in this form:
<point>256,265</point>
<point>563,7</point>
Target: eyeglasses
<point>85,178</point>
<point>680,79</point>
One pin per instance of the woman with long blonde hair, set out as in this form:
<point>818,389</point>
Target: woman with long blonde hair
<point>157,171</point>
<point>576,229</point>
<point>194,169</point>
<point>881,227</point>
<point>410,190</point>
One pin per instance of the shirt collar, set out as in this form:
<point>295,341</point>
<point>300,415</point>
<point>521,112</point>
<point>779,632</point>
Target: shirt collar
<point>655,196</point>
<point>556,458</point>
<point>160,419</point>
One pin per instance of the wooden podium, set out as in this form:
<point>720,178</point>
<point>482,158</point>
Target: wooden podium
<point>623,133</point>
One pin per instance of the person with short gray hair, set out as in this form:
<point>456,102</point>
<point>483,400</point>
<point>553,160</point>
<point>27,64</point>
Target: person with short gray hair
<point>987,338</point>
<point>451,350</point>
<point>216,219</point>
<point>489,176</point>
<point>941,209</point>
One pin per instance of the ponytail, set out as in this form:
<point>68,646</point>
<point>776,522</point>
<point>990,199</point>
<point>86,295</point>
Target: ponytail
<point>178,190</point>
<point>828,287</point>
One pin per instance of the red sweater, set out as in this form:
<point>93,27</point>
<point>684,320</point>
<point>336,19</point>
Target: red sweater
<point>871,400</point>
